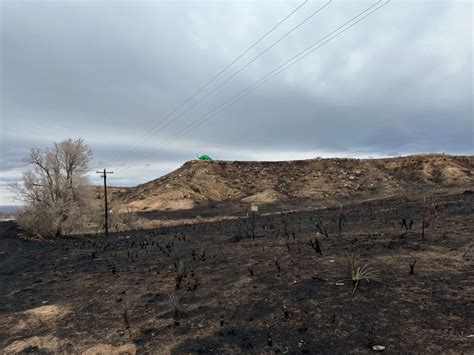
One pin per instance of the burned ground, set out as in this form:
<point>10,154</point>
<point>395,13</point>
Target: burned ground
<point>272,293</point>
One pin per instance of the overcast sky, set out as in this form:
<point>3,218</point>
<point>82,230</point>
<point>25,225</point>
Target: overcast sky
<point>398,82</point>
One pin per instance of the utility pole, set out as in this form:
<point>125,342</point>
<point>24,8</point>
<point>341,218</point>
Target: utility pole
<point>104,175</point>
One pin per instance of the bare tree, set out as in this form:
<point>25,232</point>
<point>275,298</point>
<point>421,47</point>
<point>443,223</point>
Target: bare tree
<point>55,190</point>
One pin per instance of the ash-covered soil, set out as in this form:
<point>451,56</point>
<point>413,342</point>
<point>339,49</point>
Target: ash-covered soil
<point>270,294</point>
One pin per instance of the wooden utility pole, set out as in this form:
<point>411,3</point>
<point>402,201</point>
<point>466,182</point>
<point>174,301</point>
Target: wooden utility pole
<point>104,175</point>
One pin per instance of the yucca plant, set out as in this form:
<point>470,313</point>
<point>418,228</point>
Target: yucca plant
<point>175,306</point>
<point>359,272</point>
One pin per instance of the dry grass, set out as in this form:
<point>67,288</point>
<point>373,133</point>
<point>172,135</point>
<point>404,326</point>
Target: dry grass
<point>359,272</point>
<point>175,306</point>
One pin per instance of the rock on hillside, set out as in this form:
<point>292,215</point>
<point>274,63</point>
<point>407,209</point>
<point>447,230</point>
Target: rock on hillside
<point>319,181</point>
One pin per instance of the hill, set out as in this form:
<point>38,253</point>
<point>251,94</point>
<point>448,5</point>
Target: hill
<point>297,183</point>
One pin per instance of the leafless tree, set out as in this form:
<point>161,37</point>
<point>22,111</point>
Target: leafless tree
<point>55,190</point>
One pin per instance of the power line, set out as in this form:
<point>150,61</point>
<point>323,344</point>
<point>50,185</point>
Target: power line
<point>139,140</point>
<point>106,208</point>
<point>302,54</point>
<point>240,70</point>
<point>151,134</point>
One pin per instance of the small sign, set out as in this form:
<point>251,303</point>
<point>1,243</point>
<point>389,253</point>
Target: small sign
<point>254,208</point>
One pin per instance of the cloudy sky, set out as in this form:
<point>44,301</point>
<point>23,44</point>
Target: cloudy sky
<point>398,82</point>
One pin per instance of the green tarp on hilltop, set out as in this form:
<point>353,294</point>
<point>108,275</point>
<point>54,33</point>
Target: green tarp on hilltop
<point>204,157</point>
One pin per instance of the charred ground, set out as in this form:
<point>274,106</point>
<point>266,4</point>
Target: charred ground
<point>269,294</point>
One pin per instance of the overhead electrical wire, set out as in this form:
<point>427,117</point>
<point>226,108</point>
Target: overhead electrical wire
<point>240,70</point>
<point>296,58</point>
<point>214,78</point>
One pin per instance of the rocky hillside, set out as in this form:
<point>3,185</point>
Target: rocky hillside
<point>314,181</point>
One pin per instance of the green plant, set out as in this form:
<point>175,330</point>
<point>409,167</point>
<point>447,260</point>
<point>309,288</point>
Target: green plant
<point>359,272</point>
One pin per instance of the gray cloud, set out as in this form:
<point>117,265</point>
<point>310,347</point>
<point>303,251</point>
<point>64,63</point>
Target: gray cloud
<point>399,82</point>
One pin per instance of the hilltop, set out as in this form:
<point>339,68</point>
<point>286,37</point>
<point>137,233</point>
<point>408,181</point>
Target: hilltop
<point>297,183</point>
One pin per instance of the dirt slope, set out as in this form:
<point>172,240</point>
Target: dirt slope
<point>316,181</point>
